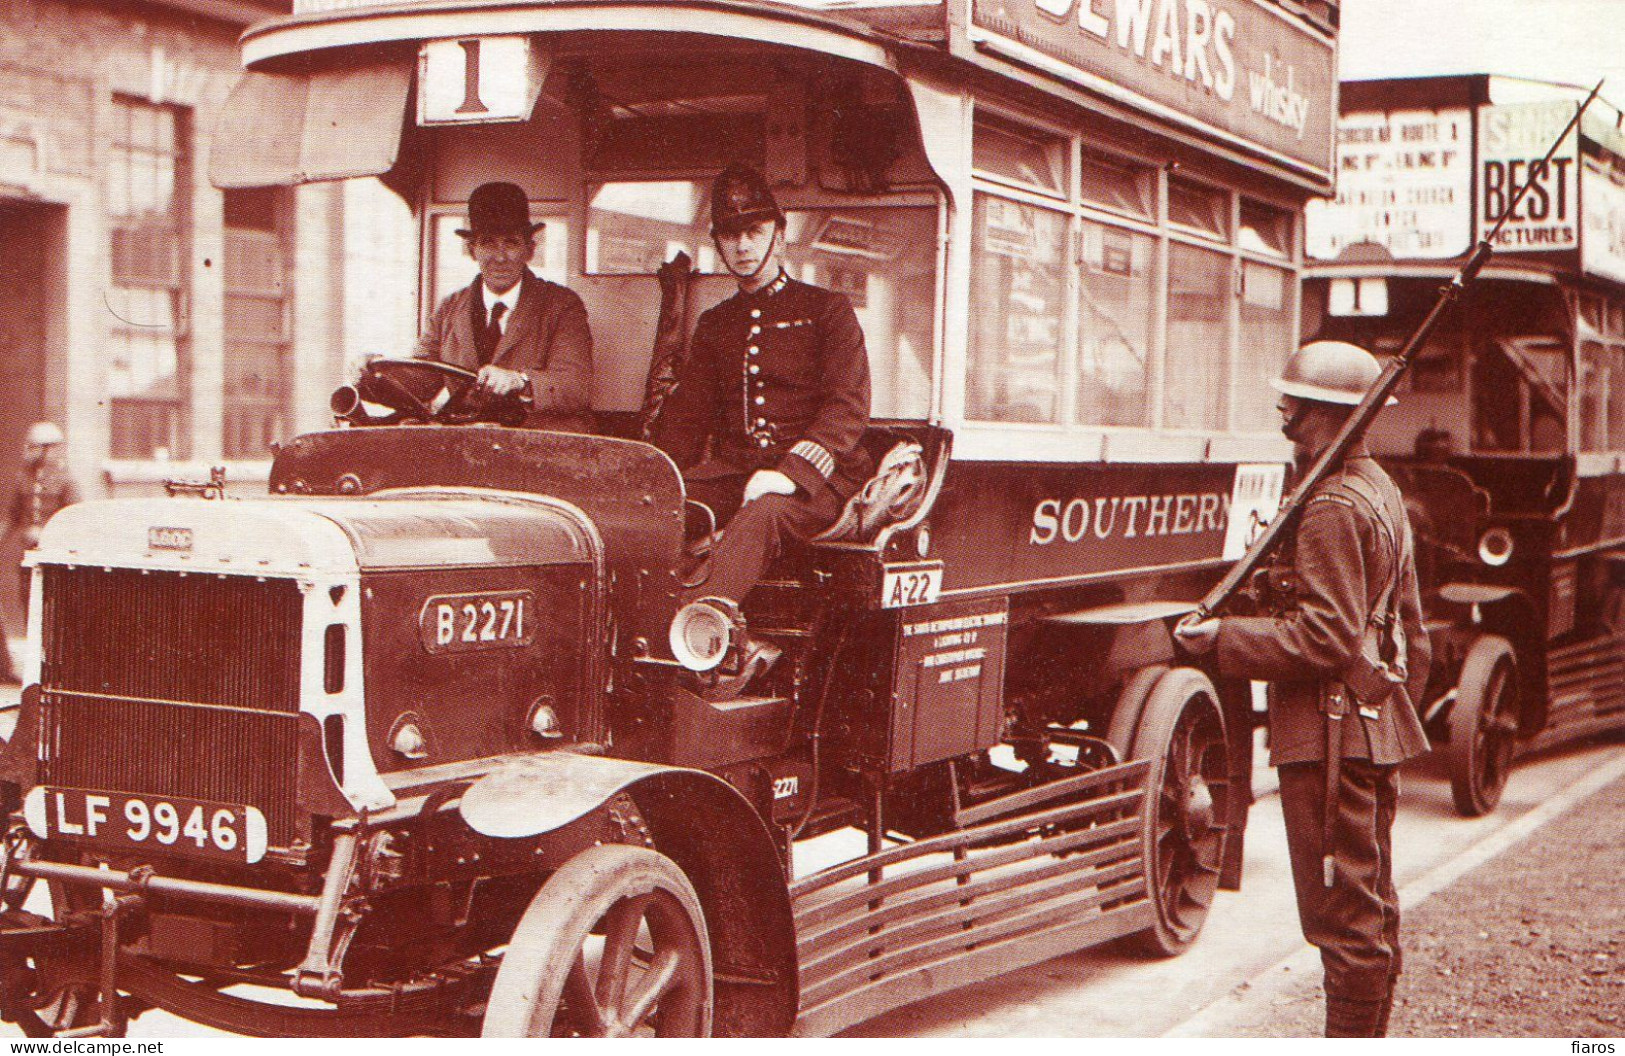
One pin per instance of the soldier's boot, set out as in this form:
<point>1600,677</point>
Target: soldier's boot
<point>1348,1018</point>
<point>1387,1010</point>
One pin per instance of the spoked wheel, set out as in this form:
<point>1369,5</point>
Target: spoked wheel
<point>1181,731</point>
<point>1483,726</point>
<point>613,945</point>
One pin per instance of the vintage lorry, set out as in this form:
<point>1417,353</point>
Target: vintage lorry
<point>423,737</point>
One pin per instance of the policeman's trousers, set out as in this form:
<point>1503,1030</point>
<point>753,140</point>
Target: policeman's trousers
<point>1354,923</point>
<point>757,533</point>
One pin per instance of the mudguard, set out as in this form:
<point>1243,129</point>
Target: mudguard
<point>541,793</point>
<point>698,821</point>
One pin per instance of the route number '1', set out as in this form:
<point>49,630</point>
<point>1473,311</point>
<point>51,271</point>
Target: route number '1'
<point>472,80</point>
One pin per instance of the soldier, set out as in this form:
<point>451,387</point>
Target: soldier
<point>768,410</point>
<point>520,333</point>
<point>1346,657</point>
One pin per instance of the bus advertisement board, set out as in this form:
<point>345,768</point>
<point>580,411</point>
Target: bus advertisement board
<point>1512,139</point>
<point>1241,68</point>
<point>1404,182</point>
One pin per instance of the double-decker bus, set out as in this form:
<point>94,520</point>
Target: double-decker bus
<point>408,737</point>
<point>1509,437</point>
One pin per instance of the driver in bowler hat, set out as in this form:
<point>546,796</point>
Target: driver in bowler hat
<point>518,332</point>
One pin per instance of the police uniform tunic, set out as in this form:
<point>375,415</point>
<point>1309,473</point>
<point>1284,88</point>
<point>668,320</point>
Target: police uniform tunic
<point>775,379</point>
<point>1343,558</point>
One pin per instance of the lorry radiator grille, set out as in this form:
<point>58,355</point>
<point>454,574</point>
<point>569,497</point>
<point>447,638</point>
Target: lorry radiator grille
<point>198,638</point>
<point>150,748</point>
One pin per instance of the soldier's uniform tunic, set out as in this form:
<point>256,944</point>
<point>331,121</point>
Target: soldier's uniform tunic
<point>1343,557</point>
<point>775,379</point>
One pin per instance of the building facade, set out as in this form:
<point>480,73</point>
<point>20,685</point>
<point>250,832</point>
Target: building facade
<point>166,325</point>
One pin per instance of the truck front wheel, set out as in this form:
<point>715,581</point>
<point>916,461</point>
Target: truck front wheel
<point>613,945</point>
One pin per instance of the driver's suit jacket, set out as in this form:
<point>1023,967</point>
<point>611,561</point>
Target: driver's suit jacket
<point>546,337</point>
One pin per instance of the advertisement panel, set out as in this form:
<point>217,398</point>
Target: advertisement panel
<point>1512,139</point>
<point>1602,221</point>
<point>1239,67</point>
<point>1404,182</point>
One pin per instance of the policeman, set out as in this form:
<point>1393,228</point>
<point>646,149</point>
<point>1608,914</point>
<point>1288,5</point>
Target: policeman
<point>770,405</point>
<point>1347,658</point>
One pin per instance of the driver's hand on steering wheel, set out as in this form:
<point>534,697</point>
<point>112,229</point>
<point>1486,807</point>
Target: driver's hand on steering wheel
<point>497,381</point>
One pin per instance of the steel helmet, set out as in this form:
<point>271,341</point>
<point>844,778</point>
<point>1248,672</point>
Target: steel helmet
<point>1329,372</point>
<point>741,197</point>
<point>44,434</point>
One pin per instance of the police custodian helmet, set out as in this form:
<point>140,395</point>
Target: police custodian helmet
<point>741,197</point>
<point>1329,372</point>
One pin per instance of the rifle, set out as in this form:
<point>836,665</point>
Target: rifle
<point>1366,411</point>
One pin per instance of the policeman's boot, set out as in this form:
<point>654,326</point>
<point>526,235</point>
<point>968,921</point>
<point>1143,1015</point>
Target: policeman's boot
<point>1348,1018</point>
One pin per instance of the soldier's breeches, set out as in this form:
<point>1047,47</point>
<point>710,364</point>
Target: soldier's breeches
<point>757,534</point>
<point>1355,922</point>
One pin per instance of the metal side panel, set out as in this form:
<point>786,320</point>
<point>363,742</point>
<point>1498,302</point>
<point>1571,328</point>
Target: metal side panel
<point>888,929</point>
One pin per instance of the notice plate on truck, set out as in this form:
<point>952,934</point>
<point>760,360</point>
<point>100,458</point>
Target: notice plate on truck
<point>223,831</point>
<point>903,585</point>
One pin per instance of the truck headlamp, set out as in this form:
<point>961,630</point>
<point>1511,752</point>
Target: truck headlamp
<point>1495,547</point>
<point>704,632</point>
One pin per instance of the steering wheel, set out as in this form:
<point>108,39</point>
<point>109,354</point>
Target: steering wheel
<point>425,390</point>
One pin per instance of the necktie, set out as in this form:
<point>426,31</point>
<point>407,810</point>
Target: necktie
<point>493,333</point>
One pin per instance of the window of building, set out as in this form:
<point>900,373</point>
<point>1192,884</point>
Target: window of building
<point>1199,208</point>
<point>148,182</point>
<point>257,372</point>
<point>1198,337</point>
<point>1118,296</point>
<point>1120,186</point>
<point>1016,341</point>
<point>1017,154</point>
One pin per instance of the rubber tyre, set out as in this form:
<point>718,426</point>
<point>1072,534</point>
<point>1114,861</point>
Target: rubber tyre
<point>1483,726</point>
<point>627,895</point>
<point>1181,730</point>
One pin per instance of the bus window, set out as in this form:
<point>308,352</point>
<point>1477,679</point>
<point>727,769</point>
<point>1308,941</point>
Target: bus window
<point>1199,208</point>
<point>1520,396</point>
<point>1602,396</point>
<point>1198,336</point>
<point>453,268</point>
<point>883,259</point>
<point>1019,155</point>
<point>1118,293</point>
<point>1019,289</point>
<point>1266,334</point>
<point>634,227</point>
<point>1120,186</point>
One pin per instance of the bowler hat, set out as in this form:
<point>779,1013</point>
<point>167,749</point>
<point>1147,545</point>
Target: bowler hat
<point>498,209</point>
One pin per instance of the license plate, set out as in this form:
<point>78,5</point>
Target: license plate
<point>457,623</point>
<point>904,585</point>
<point>223,831</point>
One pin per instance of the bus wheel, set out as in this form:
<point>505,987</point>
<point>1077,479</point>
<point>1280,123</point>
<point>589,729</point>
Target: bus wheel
<point>1181,731</point>
<point>1483,726</point>
<point>613,945</point>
